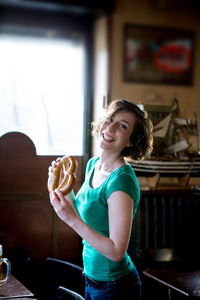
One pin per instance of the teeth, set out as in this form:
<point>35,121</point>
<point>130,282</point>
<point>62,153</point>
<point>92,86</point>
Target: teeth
<point>108,138</point>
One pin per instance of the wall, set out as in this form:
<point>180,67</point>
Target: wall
<point>101,77</point>
<point>143,12</point>
<point>109,39</point>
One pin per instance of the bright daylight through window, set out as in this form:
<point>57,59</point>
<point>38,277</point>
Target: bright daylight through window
<point>41,92</point>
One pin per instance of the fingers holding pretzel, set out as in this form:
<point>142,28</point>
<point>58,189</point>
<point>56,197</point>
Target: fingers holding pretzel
<point>54,164</point>
<point>62,174</point>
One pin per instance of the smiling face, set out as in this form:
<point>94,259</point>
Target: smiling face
<point>115,131</point>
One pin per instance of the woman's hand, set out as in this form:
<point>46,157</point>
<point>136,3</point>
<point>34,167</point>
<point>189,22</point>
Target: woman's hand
<point>53,165</point>
<point>64,207</point>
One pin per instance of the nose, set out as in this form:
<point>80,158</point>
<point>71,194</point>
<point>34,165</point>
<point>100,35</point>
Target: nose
<point>111,127</point>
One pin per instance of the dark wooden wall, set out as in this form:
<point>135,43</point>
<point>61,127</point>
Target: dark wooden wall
<point>27,220</point>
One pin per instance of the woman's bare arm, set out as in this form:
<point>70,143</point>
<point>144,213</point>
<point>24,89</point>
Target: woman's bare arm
<point>120,208</point>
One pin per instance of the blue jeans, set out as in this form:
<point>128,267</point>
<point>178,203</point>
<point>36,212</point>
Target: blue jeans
<point>126,288</point>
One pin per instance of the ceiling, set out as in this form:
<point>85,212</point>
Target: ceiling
<point>71,6</point>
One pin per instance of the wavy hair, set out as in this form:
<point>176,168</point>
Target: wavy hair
<point>141,137</point>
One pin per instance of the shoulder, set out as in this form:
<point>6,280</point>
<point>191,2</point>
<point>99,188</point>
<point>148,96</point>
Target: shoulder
<point>124,179</point>
<point>124,174</point>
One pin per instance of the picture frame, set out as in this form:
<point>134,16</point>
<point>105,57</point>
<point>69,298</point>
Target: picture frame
<point>158,55</point>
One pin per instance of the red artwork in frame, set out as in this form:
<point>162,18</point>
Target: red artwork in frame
<point>158,55</point>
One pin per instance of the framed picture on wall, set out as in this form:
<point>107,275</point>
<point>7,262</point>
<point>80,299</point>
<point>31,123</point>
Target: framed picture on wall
<point>158,55</point>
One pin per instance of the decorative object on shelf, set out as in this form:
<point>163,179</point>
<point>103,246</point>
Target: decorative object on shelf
<point>172,133</point>
<point>166,167</point>
<point>158,55</point>
<point>153,170</point>
<point>173,154</point>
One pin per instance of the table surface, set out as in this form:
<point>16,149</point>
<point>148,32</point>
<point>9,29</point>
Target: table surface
<point>184,280</point>
<point>13,289</point>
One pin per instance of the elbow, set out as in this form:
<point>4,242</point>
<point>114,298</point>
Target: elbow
<point>118,257</point>
<point>117,253</point>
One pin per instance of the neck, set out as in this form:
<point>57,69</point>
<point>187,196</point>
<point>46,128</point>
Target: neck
<point>109,163</point>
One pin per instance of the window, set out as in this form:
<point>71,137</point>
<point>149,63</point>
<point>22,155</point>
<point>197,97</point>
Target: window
<point>42,92</point>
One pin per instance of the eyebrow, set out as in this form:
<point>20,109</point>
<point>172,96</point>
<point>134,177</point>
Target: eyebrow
<point>125,122</point>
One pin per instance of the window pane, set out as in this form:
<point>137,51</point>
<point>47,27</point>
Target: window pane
<point>41,92</point>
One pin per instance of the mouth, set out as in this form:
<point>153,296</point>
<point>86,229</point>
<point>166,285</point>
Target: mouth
<point>108,138</point>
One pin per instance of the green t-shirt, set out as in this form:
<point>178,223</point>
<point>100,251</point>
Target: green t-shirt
<point>93,208</point>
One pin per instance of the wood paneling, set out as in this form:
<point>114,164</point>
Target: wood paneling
<point>27,219</point>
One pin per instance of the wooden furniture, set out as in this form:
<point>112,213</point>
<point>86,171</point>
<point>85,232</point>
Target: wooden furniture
<point>14,289</point>
<point>65,274</point>
<point>182,280</point>
<point>66,294</point>
<point>27,218</point>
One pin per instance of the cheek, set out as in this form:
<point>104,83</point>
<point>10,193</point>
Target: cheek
<point>102,125</point>
<point>128,141</point>
<point>102,128</point>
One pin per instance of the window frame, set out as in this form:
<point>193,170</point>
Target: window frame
<point>36,22</point>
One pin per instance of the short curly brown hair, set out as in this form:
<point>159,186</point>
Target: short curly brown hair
<point>141,137</point>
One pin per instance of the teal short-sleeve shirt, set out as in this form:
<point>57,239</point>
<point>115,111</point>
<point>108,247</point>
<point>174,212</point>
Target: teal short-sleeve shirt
<point>93,208</point>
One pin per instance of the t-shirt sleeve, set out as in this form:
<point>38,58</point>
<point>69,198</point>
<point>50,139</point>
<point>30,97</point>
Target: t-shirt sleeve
<point>124,183</point>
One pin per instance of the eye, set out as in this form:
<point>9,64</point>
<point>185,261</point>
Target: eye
<point>122,126</point>
<point>110,120</point>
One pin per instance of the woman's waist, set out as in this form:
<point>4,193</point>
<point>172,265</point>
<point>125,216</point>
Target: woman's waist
<point>99,267</point>
<point>131,275</point>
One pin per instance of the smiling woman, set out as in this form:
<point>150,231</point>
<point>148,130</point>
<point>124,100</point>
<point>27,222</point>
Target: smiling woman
<point>110,189</point>
<point>38,91</point>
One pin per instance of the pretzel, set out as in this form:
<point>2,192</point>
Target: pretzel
<point>66,166</point>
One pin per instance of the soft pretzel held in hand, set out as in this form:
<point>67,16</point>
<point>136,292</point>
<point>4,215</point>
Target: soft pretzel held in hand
<point>63,175</point>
